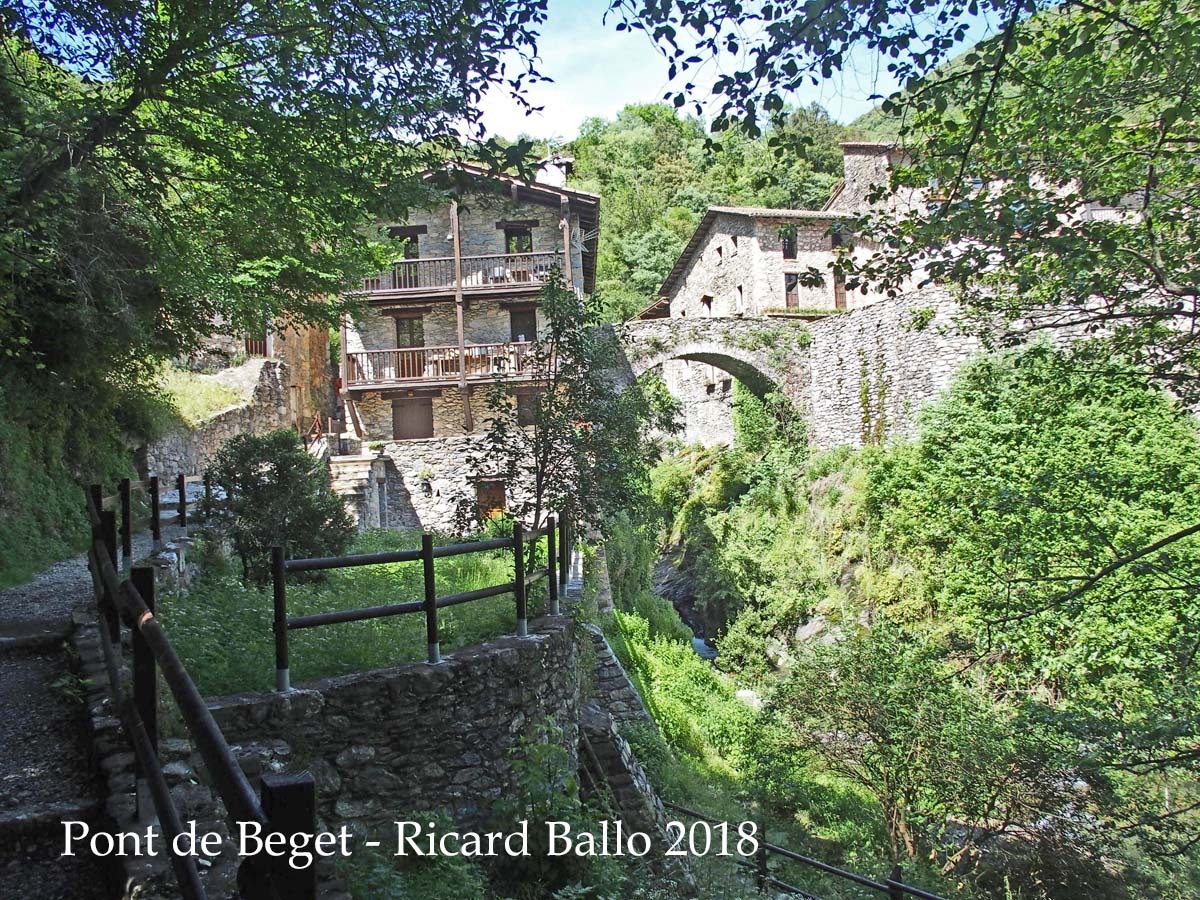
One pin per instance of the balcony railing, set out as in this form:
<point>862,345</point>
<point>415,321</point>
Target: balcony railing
<point>478,272</point>
<point>434,364</point>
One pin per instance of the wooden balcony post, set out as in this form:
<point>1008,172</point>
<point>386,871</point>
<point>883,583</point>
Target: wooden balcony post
<point>565,211</point>
<point>468,420</point>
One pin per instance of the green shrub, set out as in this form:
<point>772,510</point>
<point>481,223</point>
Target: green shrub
<point>278,494</point>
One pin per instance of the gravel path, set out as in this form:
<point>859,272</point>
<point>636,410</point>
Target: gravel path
<point>46,774</point>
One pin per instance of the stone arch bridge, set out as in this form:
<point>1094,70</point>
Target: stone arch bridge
<point>851,375</point>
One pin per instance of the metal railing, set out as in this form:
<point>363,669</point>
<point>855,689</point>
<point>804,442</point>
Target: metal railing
<point>122,501</point>
<point>558,538</point>
<point>478,272</point>
<point>892,886</point>
<point>288,802</point>
<point>480,361</point>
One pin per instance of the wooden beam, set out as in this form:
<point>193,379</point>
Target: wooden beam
<point>468,421</point>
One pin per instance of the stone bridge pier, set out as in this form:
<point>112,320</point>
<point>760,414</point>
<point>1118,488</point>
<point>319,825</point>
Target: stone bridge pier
<point>857,377</point>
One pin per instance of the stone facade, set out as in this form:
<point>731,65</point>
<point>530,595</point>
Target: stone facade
<point>419,737</point>
<point>427,481</point>
<point>189,450</point>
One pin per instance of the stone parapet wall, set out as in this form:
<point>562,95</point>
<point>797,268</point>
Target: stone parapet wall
<point>856,376</point>
<point>420,737</point>
<point>189,450</point>
<point>871,370</point>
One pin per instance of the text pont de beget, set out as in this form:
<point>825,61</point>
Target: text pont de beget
<point>611,838</point>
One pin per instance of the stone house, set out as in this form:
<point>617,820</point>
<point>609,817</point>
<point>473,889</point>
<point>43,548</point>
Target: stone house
<point>749,262</point>
<point>456,313</point>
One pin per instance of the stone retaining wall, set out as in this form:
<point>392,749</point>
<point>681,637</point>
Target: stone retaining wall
<point>189,450</point>
<point>419,737</point>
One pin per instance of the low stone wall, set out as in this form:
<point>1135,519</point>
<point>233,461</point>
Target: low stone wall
<point>189,450</point>
<point>419,737</point>
<point>614,689</point>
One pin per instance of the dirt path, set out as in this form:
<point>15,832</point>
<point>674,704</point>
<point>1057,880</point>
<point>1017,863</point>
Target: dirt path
<point>46,774</point>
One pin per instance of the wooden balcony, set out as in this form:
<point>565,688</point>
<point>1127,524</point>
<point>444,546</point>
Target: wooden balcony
<point>503,271</point>
<point>438,365</point>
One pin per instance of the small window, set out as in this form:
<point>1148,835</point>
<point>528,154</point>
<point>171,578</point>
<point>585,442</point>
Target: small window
<point>412,418</point>
<point>527,408</point>
<point>410,332</point>
<point>518,239</point>
<point>741,296</point>
<point>720,253</point>
<point>490,499</point>
<point>522,325</point>
<point>839,290</point>
<point>788,238</point>
<point>791,290</point>
<point>706,304</point>
<point>735,246</point>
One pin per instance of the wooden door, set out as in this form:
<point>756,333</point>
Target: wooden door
<point>490,499</point>
<point>412,418</point>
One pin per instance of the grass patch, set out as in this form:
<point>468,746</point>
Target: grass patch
<point>198,397</point>
<point>222,627</point>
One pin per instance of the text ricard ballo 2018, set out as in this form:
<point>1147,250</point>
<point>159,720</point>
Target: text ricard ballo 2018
<point>423,839</point>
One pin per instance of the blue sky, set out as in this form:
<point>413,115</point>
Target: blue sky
<point>597,70</point>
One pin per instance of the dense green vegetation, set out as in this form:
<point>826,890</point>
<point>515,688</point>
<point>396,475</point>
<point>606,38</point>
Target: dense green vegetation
<point>945,682</point>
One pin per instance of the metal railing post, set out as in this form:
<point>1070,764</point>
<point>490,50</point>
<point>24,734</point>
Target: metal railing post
<point>145,688</point>
<point>181,480</point>
<point>564,553</point>
<point>283,675</point>
<point>289,802</point>
<point>762,870</point>
<point>108,534</point>
<point>519,580</point>
<point>431,617</point>
<point>155,513</point>
<point>126,527</point>
<point>551,564</point>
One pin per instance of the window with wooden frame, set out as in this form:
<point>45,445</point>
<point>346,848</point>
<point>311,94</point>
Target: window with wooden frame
<point>518,239</point>
<point>405,270</point>
<point>410,331</point>
<point>527,408</point>
<point>791,290</point>
<point>522,324</point>
<point>839,290</point>
<point>490,499</point>
<point>787,236</point>
<point>412,418</point>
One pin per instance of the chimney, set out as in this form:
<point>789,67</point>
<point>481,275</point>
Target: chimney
<point>554,170</point>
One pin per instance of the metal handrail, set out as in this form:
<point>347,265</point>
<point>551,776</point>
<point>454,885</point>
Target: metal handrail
<point>555,573</point>
<point>893,887</point>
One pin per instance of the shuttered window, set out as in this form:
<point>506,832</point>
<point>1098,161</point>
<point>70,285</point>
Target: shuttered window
<point>412,418</point>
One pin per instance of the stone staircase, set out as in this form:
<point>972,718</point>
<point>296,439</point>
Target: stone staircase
<point>351,478</point>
